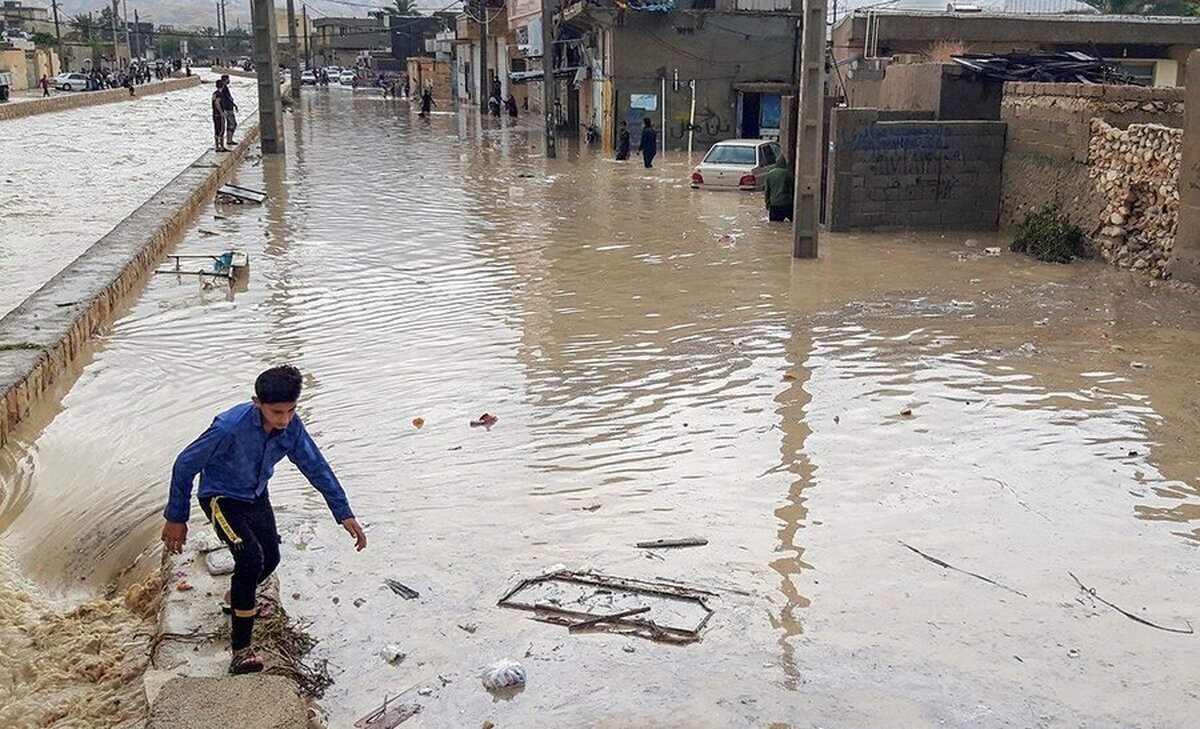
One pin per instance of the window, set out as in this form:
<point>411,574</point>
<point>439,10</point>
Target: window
<point>730,154</point>
<point>768,154</point>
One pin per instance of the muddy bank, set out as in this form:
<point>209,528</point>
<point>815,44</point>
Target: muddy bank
<point>660,367</point>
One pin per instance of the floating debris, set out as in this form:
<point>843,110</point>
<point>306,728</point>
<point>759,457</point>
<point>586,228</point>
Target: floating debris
<point>402,589</point>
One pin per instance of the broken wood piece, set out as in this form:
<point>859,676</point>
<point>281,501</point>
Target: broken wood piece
<point>665,543</point>
<point>593,622</point>
<point>947,565</point>
<point>401,589</point>
<point>1091,591</point>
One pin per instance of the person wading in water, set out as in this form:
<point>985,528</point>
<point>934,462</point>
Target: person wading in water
<point>235,459</point>
<point>649,145</point>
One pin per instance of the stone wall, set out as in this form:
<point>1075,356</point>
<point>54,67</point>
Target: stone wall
<point>1136,173</point>
<point>918,174</point>
<point>1047,148</point>
<point>78,99</point>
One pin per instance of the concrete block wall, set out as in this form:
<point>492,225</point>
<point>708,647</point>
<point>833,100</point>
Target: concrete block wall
<point>913,173</point>
<point>1049,131</point>
<point>76,100</point>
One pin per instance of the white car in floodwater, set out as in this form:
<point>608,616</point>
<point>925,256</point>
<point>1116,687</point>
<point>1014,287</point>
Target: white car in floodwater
<point>736,164</point>
<point>347,78</point>
<point>308,78</point>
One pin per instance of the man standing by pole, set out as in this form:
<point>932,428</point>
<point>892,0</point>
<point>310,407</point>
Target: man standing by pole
<point>548,77</point>
<point>483,57</point>
<point>807,221</point>
<point>292,46</point>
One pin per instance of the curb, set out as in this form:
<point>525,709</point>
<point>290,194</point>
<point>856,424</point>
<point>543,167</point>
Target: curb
<point>40,338</point>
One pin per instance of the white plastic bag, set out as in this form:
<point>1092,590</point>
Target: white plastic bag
<point>503,674</point>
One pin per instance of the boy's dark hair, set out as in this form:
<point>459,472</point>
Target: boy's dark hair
<point>279,384</point>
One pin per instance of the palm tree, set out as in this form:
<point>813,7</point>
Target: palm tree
<point>402,7</point>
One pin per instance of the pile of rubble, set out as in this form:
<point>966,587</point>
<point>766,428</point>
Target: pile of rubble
<point>1136,171</point>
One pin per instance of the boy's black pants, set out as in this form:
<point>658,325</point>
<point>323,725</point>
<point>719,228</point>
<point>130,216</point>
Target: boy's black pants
<point>248,527</point>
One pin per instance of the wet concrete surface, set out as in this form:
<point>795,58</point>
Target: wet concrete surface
<point>69,177</point>
<point>660,367</point>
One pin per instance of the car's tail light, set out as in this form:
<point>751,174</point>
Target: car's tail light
<point>747,181</point>
<point>697,178</point>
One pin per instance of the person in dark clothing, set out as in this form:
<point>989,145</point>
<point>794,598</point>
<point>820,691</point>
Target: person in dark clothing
<point>230,110</point>
<point>623,142</point>
<point>427,102</point>
<point>218,117</point>
<point>649,143</point>
<point>45,84</point>
<point>779,191</point>
<point>235,458</point>
<point>511,105</point>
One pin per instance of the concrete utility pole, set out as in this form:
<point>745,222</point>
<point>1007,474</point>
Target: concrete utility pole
<point>270,107</point>
<point>62,59</point>
<point>308,59</point>
<point>137,34</point>
<point>806,217</point>
<point>1185,256</point>
<point>548,78</point>
<point>485,88</point>
<point>115,12</point>
<point>125,26</point>
<point>295,64</point>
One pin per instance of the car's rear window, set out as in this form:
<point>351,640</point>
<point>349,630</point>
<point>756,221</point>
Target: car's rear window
<point>729,154</point>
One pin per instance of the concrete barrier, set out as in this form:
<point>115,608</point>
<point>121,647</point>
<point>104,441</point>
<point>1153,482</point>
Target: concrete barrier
<point>78,100</point>
<point>41,337</point>
<point>219,70</point>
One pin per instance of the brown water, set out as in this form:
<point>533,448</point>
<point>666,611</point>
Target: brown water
<point>633,337</point>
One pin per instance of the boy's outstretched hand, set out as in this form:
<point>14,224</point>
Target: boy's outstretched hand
<point>174,534</point>
<point>360,537</point>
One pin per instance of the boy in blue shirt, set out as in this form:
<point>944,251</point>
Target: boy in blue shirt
<point>235,458</point>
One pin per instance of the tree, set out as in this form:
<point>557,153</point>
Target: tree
<point>82,25</point>
<point>402,8</point>
<point>44,40</point>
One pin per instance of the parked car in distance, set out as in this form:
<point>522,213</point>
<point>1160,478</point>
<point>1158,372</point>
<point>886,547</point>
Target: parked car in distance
<point>347,78</point>
<point>71,82</point>
<point>308,78</point>
<point>740,164</point>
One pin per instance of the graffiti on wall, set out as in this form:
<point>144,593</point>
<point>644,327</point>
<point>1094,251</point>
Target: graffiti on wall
<point>708,123</point>
<point>906,155</point>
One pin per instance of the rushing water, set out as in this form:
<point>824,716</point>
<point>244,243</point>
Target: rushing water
<point>67,178</point>
<point>660,367</point>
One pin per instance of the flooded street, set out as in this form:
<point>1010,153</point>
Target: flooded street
<point>69,177</point>
<point>660,368</point>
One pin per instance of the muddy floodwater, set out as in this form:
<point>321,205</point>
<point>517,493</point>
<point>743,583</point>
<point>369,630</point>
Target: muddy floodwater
<point>67,178</point>
<point>660,367</point>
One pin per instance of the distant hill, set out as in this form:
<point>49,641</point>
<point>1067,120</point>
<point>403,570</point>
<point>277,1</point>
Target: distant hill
<point>203,13</point>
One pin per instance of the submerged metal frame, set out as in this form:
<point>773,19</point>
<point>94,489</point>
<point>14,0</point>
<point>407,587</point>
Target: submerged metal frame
<point>631,625</point>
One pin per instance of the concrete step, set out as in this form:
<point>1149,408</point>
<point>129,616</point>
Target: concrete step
<point>247,702</point>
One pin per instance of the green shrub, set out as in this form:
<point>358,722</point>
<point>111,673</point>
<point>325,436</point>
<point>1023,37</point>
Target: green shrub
<point>1047,235</point>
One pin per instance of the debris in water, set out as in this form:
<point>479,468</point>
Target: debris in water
<point>1138,365</point>
<point>591,596</point>
<point>504,674</point>
<point>487,420</point>
<point>336,599</point>
<point>590,507</point>
<point>593,622</point>
<point>392,653</point>
<point>991,251</point>
<point>359,601</point>
<point>789,375</point>
<point>1091,592</point>
<point>184,586</point>
<point>295,596</point>
<point>468,627</point>
<point>667,543</point>
<point>392,714</point>
<point>947,565</point>
<point>207,232</point>
<point>418,422</point>
<point>906,412</point>
<point>401,589</point>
